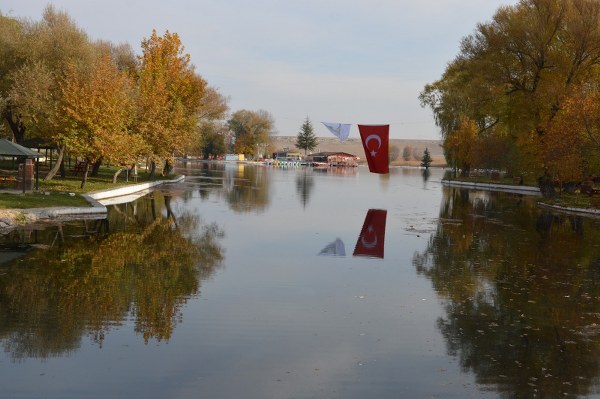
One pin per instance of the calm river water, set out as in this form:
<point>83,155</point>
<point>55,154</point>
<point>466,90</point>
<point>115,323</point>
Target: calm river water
<point>254,282</point>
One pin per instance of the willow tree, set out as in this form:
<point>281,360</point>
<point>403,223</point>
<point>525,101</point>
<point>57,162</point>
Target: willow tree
<point>44,47</point>
<point>12,58</point>
<point>513,74</point>
<point>40,50</point>
<point>169,98</point>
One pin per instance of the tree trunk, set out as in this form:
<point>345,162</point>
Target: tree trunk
<point>16,125</point>
<point>170,214</point>
<point>167,168</point>
<point>85,175</point>
<point>63,172</point>
<point>152,169</point>
<point>546,186</point>
<point>116,175</point>
<point>57,165</point>
<point>153,207</point>
<point>96,168</point>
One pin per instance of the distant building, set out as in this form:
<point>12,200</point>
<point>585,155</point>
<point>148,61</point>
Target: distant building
<point>234,157</point>
<point>333,158</point>
<point>287,155</point>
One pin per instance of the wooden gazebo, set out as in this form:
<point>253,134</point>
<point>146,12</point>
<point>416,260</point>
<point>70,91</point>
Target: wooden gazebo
<point>10,149</point>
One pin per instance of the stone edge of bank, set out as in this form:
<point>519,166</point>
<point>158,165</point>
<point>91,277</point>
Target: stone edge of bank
<point>528,190</point>
<point>17,217</point>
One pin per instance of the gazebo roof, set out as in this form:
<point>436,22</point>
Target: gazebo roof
<point>10,149</point>
<point>39,143</point>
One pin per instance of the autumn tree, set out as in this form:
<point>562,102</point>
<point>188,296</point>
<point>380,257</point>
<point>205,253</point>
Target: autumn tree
<point>513,74</point>
<point>571,146</point>
<point>249,129</point>
<point>122,55</point>
<point>584,108</point>
<point>458,146</point>
<point>212,139</point>
<point>306,139</point>
<point>45,48</point>
<point>169,98</point>
<point>33,105</point>
<point>213,105</point>
<point>36,54</point>
<point>99,108</point>
<point>11,58</point>
<point>211,123</point>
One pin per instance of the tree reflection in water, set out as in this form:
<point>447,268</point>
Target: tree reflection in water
<point>304,186</point>
<point>246,189</point>
<point>52,297</point>
<point>521,290</point>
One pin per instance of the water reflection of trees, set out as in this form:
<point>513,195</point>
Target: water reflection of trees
<point>247,188</point>
<point>244,187</point>
<point>304,185</point>
<point>140,273</point>
<point>521,290</point>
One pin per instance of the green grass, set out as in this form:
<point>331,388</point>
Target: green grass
<point>102,182</point>
<point>39,200</point>
<point>486,177</point>
<point>570,200</point>
<point>56,191</point>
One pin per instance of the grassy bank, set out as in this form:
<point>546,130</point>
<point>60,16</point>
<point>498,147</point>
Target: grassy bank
<point>562,199</point>
<point>493,178</point>
<point>41,200</point>
<point>66,191</point>
<point>574,200</point>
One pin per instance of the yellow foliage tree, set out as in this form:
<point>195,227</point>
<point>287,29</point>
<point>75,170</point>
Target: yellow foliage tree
<point>572,142</point>
<point>460,143</point>
<point>99,107</point>
<point>170,96</point>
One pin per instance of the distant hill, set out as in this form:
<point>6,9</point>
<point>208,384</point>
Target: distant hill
<point>354,146</point>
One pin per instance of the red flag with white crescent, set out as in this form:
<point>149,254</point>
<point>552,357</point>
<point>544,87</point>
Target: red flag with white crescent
<point>371,241</point>
<point>375,140</point>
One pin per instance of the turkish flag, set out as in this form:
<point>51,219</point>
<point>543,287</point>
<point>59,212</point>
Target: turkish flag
<point>375,140</point>
<point>371,241</point>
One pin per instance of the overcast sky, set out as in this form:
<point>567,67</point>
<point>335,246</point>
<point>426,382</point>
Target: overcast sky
<point>344,61</point>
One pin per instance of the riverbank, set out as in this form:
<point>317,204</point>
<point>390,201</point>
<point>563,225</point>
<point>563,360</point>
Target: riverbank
<point>11,218</point>
<point>495,187</point>
<point>573,203</point>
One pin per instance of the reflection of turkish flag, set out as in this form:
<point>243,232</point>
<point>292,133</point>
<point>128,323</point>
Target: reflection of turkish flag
<point>375,140</point>
<point>371,240</point>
